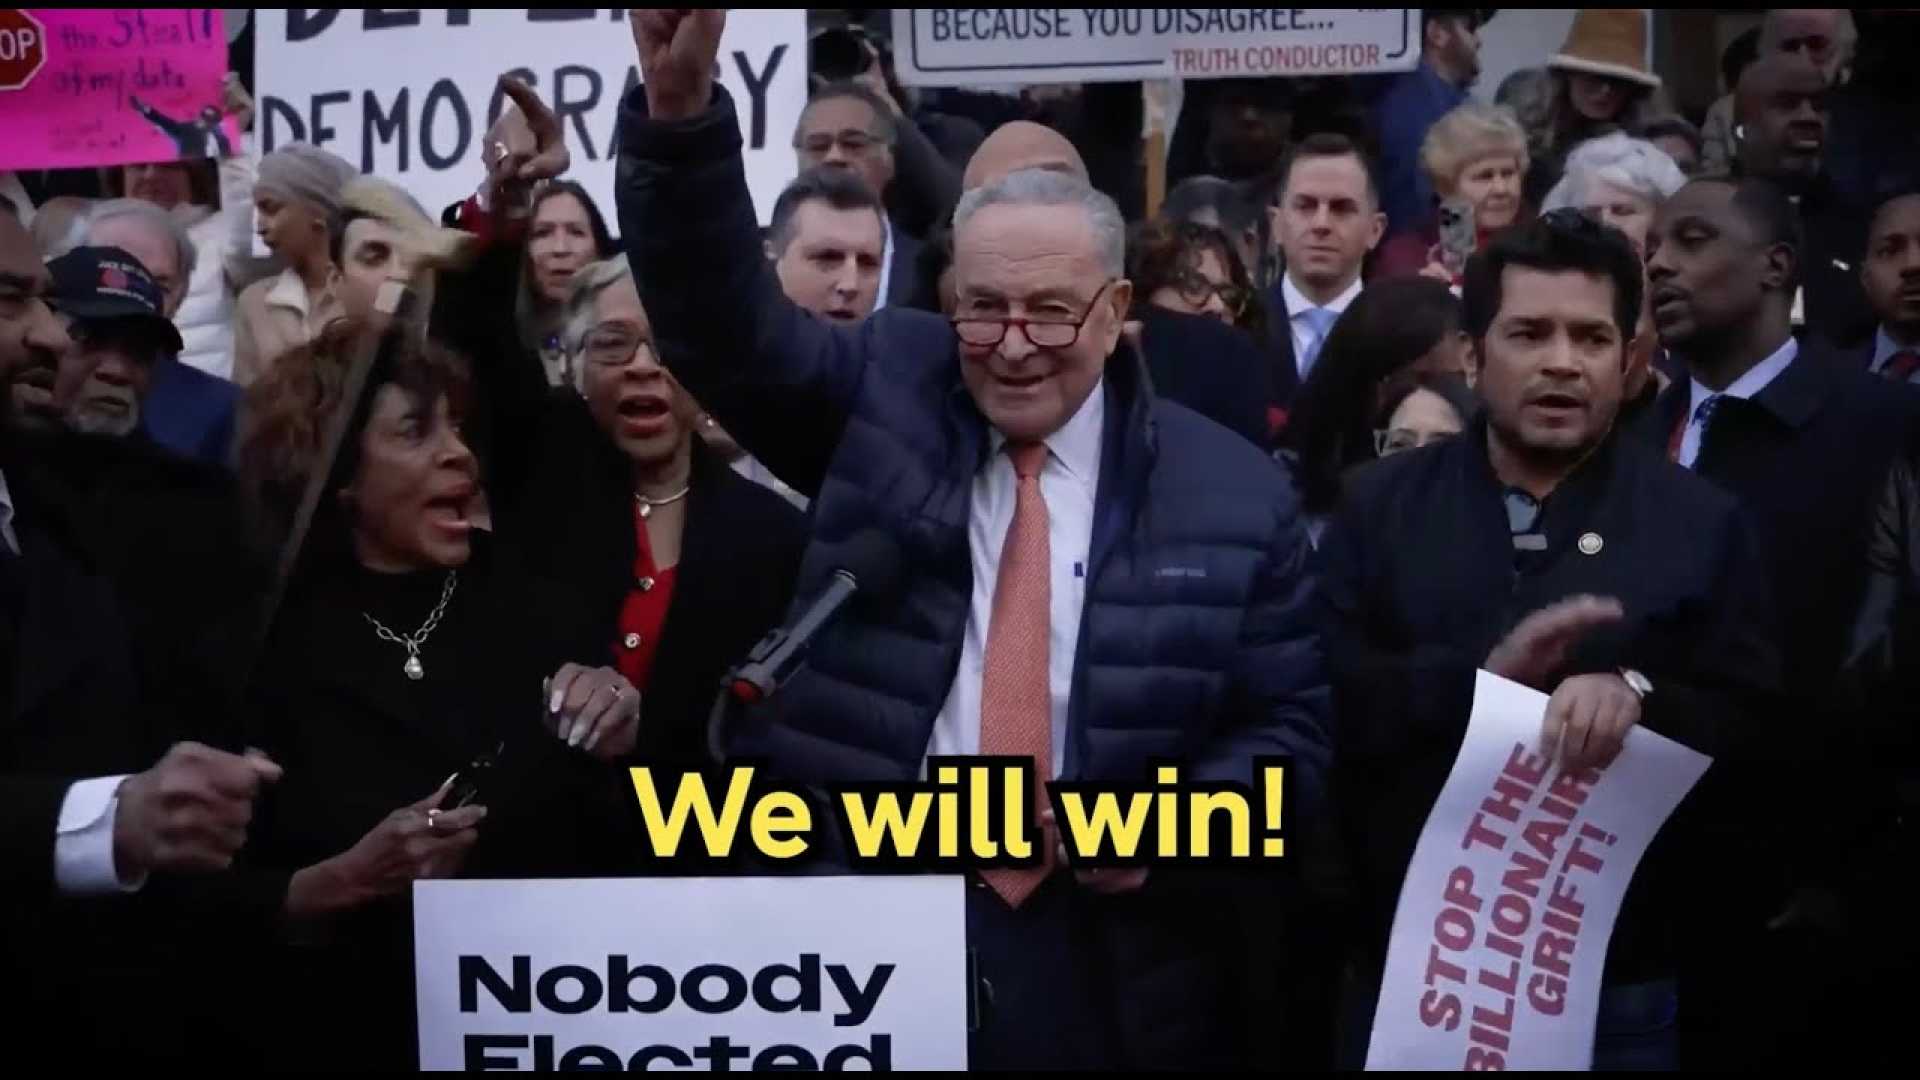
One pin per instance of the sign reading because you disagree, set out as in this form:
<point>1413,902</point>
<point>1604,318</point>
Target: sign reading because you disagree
<point>967,46</point>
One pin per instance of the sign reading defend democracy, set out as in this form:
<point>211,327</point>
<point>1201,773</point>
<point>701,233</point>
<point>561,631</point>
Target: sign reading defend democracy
<point>409,93</point>
<point>963,46</point>
<point>1501,932</point>
<point>830,973</point>
<point>119,86</point>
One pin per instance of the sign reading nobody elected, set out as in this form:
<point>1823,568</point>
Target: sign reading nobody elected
<point>692,973</point>
<point>408,94</point>
<point>962,46</point>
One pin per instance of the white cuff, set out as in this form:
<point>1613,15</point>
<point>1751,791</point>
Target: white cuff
<point>83,840</point>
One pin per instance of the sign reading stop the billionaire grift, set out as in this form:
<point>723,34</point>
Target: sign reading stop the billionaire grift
<point>112,86</point>
<point>963,46</point>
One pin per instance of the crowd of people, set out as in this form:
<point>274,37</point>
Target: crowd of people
<point>1565,389</point>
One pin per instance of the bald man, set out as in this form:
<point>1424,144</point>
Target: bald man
<point>1781,114</point>
<point>1022,144</point>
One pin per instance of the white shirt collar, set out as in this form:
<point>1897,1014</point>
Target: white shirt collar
<point>1755,380</point>
<point>885,293</point>
<point>1297,301</point>
<point>1883,349</point>
<point>1076,446</point>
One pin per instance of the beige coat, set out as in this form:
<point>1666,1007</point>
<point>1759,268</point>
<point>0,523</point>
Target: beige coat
<point>274,316</point>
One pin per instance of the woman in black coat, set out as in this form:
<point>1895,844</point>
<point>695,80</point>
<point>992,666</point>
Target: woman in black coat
<point>683,563</point>
<point>406,650</point>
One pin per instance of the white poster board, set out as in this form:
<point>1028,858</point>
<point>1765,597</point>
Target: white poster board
<point>967,46</point>
<point>1501,932</point>
<point>692,973</point>
<point>408,94</point>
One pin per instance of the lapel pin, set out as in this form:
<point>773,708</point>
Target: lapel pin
<point>1590,544</point>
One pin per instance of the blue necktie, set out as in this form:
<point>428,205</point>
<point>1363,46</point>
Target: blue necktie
<point>1319,322</point>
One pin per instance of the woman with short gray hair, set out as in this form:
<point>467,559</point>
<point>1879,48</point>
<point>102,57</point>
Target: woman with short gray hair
<point>602,487</point>
<point>1620,181</point>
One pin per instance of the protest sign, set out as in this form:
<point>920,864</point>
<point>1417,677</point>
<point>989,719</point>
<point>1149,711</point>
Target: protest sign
<point>408,94</point>
<point>707,973</point>
<point>964,46</point>
<point>1501,932</point>
<point>112,86</point>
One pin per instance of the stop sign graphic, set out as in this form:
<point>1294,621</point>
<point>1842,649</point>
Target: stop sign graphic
<point>23,48</point>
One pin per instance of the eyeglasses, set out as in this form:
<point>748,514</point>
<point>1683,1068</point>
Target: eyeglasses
<point>1195,289</point>
<point>1043,333</point>
<point>855,143</point>
<point>1390,441</point>
<point>613,345</point>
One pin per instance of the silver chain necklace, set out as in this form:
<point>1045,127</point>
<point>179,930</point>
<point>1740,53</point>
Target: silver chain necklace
<point>412,642</point>
<point>647,505</point>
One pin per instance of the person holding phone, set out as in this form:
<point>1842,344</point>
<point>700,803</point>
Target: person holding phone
<point>406,650</point>
<point>1476,158</point>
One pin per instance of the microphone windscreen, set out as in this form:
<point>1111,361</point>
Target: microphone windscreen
<point>872,558</point>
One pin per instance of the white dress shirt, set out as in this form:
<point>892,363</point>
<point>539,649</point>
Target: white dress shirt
<point>1755,380</point>
<point>1883,349</point>
<point>1306,340</point>
<point>1068,482</point>
<point>83,835</point>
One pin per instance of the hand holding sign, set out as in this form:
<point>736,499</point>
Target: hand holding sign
<point>1538,647</point>
<point>678,48</point>
<point>1588,718</point>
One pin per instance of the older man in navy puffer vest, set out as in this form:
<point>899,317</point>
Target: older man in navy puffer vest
<point>1094,578</point>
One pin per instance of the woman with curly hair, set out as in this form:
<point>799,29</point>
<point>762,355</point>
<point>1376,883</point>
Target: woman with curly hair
<point>405,651</point>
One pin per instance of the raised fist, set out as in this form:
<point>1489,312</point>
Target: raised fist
<point>677,48</point>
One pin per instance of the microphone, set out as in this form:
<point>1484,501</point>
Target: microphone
<point>868,563</point>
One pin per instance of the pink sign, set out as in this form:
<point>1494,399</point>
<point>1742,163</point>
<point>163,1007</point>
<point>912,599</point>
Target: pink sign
<point>112,86</point>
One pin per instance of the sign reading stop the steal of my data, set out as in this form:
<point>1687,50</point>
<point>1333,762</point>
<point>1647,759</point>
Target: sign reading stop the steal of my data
<point>117,86</point>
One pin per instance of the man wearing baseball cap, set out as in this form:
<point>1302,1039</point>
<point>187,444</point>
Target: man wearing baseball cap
<point>114,312</point>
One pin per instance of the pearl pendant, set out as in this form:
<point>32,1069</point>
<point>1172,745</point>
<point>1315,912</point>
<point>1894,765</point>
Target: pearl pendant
<point>414,670</point>
<point>646,510</point>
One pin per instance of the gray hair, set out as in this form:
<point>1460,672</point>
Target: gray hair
<point>154,218</point>
<point>1619,159</point>
<point>1045,187</point>
<point>578,318</point>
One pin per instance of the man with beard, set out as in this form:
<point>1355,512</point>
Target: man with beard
<point>86,709</point>
<point>1804,444</point>
<point>1544,548</point>
<point>114,318</point>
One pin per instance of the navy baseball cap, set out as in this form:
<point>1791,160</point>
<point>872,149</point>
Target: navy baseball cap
<point>98,283</point>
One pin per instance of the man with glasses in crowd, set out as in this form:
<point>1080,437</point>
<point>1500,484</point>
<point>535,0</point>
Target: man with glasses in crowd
<point>1094,578</point>
<point>846,127</point>
<point>1543,547</point>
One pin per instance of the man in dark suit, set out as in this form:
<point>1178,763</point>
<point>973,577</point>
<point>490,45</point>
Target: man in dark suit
<point>82,811</point>
<point>848,128</point>
<point>827,240</point>
<point>1805,446</point>
<point>1782,110</point>
<point>1094,578</point>
<point>1327,220</point>
<point>1890,275</point>
<point>1547,549</point>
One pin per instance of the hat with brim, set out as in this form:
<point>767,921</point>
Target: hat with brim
<point>96,284</point>
<point>161,332</point>
<point>1609,42</point>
